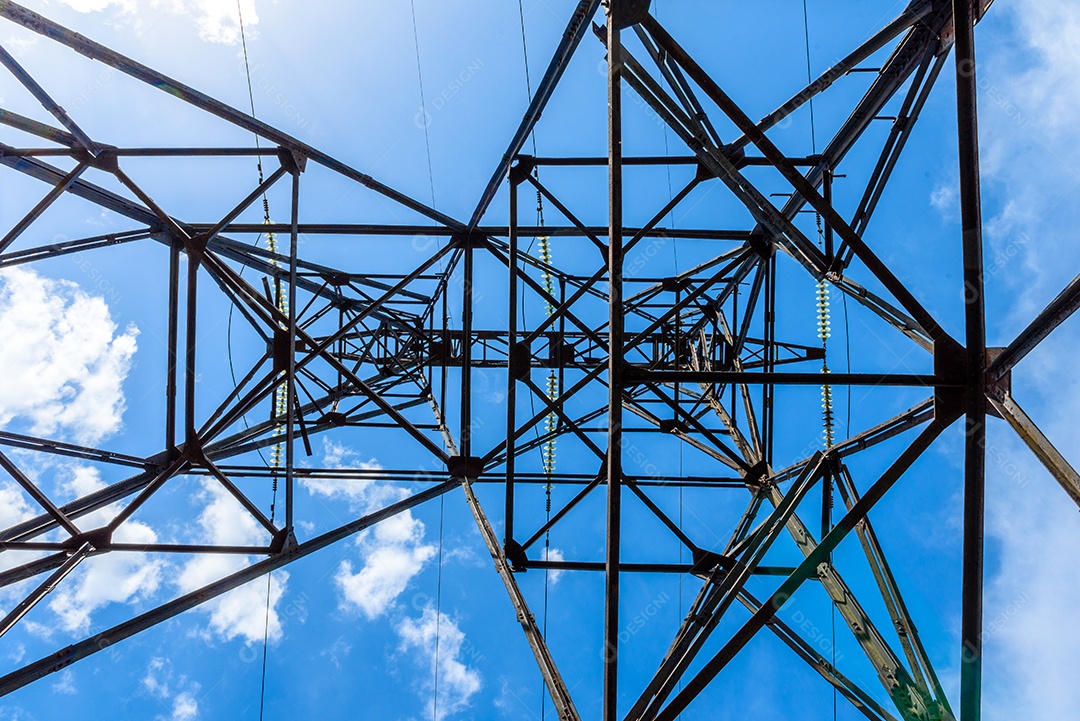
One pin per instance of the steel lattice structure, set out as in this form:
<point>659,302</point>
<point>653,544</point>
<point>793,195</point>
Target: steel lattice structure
<point>695,356</point>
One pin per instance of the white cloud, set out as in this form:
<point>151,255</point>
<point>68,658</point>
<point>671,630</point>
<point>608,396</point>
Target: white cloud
<point>509,702</point>
<point>1030,108</point>
<point>176,693</point>
<point>14,505</point>
<point>16,713</point>
<point>361,494</point>
<point>457,682</point>
<point>93,6</point>
<point>553,554</point>
<point>76,481</point>
<point>66,684</point>
<point>946,197</point>
<point>337,652</point>
<point>20,43</point>
<point>241,613</point>
<point>63,363</point>
<point>1047,91</point>
<point>393,554</point>
<point>116,577</point>
<point>216,20</point>
<point>14,508</point>
<point>185,707</point>
<point>17,653</point>
<point>1029,633</point>
<point>156,680</point>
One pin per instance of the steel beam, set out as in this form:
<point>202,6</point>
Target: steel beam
<point>560,694</point>
<point>23,607</point>
<point>1040,445</point>
<point>101,641</point>
<point>971,625</point>
<point>571,38</point>
<point>1057,312</point>
<point>698,344</point>
<point>615,16</point>
<point>793,176</point>
<point>96,51</point>
<point>807,569</point>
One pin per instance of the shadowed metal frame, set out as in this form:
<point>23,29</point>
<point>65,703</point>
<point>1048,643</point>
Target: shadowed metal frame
<point>679,346</point>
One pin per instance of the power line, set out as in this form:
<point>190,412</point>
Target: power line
<point>446,319</point>
<point>824,330</point>
<point>423,102</point>
<point>258,161</point>
<point>438,610</point>
<point>528,80</point>
<point>809,76</point>
<point>276,454</point>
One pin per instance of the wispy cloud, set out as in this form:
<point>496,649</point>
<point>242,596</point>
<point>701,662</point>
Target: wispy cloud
<point>440,647</point>
<point>1029,633</point>
<point>1030,107</point>
<point>1030,103</point>
<point>65,685</point>
<point>392,553</point>
<point>177,693</point>
<point>361,494</point>
<point>217,21</point>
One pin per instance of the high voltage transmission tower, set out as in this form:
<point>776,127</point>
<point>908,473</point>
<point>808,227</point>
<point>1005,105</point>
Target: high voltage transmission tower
<point>696,358</point>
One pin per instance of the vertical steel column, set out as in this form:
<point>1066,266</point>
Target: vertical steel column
<point>975,320</point>
<point>290,375</point>
<point>466,349</point>
<point>447,341</point>
<point>562,337</point>
<point>615,362</point>
<point>191,341</point>
<point>677,343</point>
<point>768,390</point>
<point>170,375</point>
<point>828,476</point>
<point>827,194</point>
<point>511,357</point>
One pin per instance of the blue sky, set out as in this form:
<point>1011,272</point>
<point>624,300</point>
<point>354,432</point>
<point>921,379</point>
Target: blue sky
<point>352,628</point>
